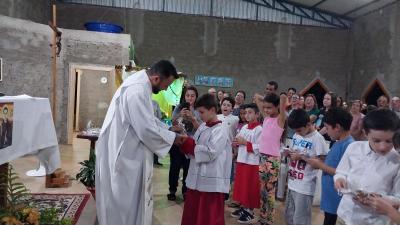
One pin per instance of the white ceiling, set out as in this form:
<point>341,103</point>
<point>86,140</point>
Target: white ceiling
<point>349,8</point>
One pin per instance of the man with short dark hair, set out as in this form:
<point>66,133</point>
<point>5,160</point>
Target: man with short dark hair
<point>129,137</point>
<point>272,87</point>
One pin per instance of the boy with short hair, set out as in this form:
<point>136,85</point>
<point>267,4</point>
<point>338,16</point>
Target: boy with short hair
<point>210,166</point>
<point>337,122</point>
<point>369,169</point>
<point>307,143</point>
<point>228,120</point>
<point>246,190</point>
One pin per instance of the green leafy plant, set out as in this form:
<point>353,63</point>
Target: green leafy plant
<point>86,174</point>
<point>19,208</point>
<point>49,217</point>
<point>17,193</point>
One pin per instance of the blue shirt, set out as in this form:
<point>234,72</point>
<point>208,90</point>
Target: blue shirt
<point>329,198</point>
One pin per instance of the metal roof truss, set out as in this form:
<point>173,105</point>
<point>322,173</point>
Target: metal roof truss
<point>304,12</point>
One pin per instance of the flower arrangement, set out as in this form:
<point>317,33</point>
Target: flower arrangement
<point>19,210</point>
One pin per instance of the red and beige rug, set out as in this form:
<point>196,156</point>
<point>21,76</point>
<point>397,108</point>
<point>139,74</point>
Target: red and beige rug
<point>70,206</point>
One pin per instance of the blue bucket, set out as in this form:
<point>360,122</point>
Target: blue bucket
<point>103,27</point>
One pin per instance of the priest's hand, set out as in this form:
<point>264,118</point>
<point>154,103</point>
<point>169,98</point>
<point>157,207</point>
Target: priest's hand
<point>176,129</point>
<point>180,139</point>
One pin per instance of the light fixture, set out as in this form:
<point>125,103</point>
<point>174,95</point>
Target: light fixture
<point>104,80</point>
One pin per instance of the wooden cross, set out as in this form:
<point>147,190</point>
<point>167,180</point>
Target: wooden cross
<point>56,48</point>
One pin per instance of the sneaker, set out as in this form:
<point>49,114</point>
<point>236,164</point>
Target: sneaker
<point>171,197</point>
<point>246,217</point>
<point>237,213</point>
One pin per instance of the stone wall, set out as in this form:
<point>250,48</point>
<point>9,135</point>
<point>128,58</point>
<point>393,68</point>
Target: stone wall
<point>26,52</point>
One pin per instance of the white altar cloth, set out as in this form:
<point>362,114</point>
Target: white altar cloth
<point>33,131</point>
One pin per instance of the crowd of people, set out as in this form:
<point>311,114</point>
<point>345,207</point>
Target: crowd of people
<point>237,148</point>
<point>232,152</point>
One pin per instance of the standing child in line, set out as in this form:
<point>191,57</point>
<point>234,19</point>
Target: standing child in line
<point>228,120</point>
<point>384,206</point>
<point>210,167</point>
<point>242,122</point>
<point>246,189</point>
<point>369,168</point>
<point>307,143</point>
<point>337,122</point>
<point>273,109</point>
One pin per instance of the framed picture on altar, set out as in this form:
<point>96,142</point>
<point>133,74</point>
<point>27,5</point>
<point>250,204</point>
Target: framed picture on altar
<point>6,124</point>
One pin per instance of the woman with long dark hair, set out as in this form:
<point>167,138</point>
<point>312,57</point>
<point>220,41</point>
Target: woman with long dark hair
<point>186,117</point>
<point>329,102</point>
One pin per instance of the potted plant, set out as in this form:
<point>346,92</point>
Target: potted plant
<point>86,174</point>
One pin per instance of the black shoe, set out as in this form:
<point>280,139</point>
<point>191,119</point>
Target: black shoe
<point>237,213</point>
<point>171,197</point>
<point>246,217</point>
<point>158,163</point>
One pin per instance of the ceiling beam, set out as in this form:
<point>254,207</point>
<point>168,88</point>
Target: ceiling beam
<point>318,3</point>
<point>305,12</point>
<point>360,7</point>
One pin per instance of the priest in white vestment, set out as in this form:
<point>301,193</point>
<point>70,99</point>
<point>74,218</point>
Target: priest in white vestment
<point>129,137</point>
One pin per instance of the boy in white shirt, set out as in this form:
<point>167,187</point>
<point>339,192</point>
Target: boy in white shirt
<point>307,143</point>
<point>369,169</point>
<point>210,167</point>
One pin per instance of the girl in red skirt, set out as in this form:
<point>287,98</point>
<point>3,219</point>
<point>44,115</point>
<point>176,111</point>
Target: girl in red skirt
<point>246,189</point>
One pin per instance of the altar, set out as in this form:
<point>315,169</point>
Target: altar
<point>27,128</point>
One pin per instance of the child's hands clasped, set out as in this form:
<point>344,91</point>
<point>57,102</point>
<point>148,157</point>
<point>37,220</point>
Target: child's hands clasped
<point>239,141</point>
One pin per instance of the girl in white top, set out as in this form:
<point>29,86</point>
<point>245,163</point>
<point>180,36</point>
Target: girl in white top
<point>369,167</point>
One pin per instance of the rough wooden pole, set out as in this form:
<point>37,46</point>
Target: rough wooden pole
<point>3,184</point>
<point>54,65</point>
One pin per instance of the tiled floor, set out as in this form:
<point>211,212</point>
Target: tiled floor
<point>165,212</point>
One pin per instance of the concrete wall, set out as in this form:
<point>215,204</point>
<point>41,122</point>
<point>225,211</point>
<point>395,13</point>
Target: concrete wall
<point>24,47</point>
<point>376,41</point>
<point>95,97</point>
<point>35,10</point>
<point>253,53</point>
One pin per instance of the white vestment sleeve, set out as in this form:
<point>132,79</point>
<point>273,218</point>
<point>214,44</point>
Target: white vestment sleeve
<point>254,141</point>
<point>207,152</point>
<point>344,165</point>
<point>139,110</point>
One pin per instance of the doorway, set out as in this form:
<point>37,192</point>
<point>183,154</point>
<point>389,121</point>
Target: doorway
<point>91,88</point>
<point>318,89</point>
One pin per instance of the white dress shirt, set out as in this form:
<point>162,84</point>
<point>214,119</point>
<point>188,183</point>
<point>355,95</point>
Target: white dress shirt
<point>365,170</point>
